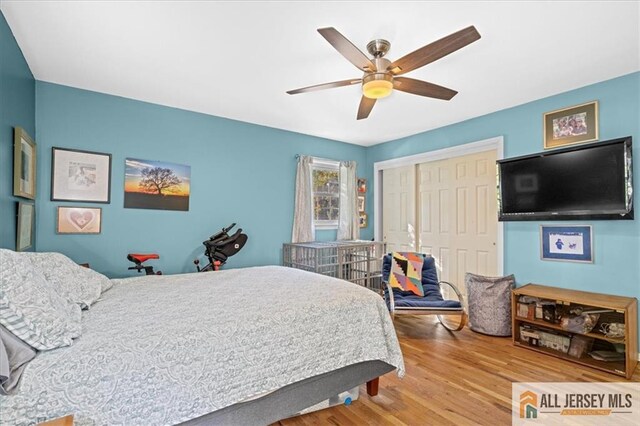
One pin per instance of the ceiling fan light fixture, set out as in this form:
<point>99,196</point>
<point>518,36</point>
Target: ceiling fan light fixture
<point>377,85</point>
<point>381,76</point>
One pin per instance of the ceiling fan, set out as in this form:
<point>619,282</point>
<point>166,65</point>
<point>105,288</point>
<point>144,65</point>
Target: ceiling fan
<point>381,75</point>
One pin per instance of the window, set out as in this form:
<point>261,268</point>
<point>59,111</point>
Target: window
<point>326,194</point>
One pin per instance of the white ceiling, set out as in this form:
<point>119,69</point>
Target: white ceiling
<point>237,59</point>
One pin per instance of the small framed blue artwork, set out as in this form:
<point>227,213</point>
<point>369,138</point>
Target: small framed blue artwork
<point>566,243</point>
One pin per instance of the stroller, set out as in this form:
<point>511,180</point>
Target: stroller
<point>221,246</point>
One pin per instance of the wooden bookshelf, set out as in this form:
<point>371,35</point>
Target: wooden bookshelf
<point>625,307</point>
<point>557,327</point>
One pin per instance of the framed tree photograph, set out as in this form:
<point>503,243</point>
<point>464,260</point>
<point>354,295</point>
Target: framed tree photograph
<point>569,243</point>
<point>80,176</point>
<point>24,164</point>
<point>159,185</point>
<point>79,220</point>
<point>567,126</point>
<point>24,230</point>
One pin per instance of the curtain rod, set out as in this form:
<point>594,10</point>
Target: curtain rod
<point>319,158</point>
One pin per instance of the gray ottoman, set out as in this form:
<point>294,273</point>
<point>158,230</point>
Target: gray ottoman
<point>489,300</point>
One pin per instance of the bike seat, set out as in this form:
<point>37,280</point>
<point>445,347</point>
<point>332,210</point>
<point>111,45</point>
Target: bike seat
<point>140,258</point>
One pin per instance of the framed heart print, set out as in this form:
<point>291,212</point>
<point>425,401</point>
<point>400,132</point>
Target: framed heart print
<point>79,220</point>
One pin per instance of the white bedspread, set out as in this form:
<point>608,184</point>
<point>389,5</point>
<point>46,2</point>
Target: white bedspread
<point>165,349</point>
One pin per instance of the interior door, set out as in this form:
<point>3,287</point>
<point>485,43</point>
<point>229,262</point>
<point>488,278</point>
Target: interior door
<point>457,215</point>
<point>399,208</point>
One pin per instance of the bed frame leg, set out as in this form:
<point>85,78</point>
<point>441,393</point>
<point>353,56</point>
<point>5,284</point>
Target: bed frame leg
<point>372,386</point>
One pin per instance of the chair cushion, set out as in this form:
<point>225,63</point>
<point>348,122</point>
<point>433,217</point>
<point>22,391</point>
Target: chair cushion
<point>406,272</point>
<point>432,298</point>
<point>412,301</point>
<point>429,280</point>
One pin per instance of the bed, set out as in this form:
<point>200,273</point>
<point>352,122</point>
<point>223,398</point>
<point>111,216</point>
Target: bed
<point>241,346</point>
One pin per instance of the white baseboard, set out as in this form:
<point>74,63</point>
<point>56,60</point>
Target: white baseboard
<point>638,357</point>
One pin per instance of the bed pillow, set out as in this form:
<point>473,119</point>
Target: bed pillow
<point>76,283</point>
<point>31,309</point>
<point>406,272</point>
<point>14,356</point>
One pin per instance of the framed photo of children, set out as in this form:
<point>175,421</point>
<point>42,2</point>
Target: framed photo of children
<point>576,124</point>
<point>566,243</point>
<point>79,220</point>
<point>80,176</point>
<point>362,185</point>
<point>24,164</point>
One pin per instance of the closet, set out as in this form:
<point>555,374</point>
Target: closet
<point>446,208</point>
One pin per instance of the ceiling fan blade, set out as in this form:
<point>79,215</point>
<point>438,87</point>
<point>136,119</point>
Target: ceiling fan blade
<point>347,49</point>
<point>366,105</point>
<point>423,88</point>
<point>434,51</point>
<point>325,86</point>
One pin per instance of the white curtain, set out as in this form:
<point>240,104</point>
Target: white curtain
<point>303,229</point>
<point>348,222</point>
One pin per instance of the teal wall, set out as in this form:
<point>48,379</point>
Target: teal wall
<point>616,269</point>
<point>245,173</point>
<point>17,109</point>
<point>240,173</point>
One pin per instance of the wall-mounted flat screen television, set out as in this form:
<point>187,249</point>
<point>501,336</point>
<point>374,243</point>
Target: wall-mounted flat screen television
<point>592,181</point>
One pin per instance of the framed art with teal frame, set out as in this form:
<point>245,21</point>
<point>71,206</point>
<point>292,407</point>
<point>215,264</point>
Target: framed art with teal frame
<point>568,243</point>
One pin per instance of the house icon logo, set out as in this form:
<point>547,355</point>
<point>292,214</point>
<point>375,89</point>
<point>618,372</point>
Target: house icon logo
<point>528,405</point>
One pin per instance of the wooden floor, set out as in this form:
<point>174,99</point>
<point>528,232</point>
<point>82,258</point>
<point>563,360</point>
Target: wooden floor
<point>461,378</point>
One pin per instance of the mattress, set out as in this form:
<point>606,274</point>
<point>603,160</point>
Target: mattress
<point>164,350</point>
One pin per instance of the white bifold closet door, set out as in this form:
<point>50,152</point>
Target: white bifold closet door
<point>458,222</point>
<point>399,208</point>
<point>445,208</point>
